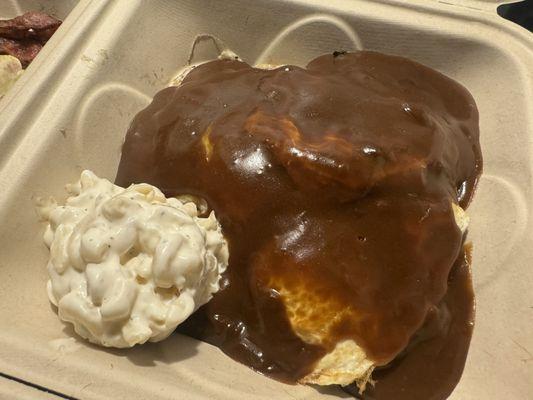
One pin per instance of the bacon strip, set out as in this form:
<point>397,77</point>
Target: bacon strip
<point>24,36</point>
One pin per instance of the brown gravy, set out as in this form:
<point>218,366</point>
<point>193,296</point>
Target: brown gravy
<point>333,184</point>
<point>432,365</point>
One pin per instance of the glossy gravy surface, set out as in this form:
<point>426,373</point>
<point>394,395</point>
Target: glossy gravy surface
<point>333,185</point>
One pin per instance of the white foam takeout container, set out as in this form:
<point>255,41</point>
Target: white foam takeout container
<point>71,111</point>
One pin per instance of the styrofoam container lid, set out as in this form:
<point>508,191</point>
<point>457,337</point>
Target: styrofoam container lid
<point>71,110</point>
